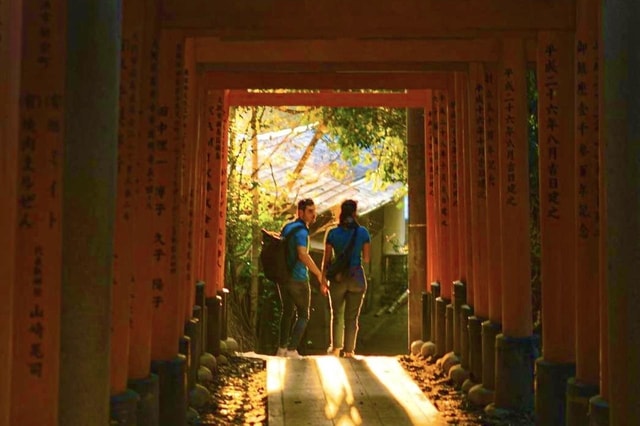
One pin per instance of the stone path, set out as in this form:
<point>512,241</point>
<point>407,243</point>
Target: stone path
<point>325,390</point>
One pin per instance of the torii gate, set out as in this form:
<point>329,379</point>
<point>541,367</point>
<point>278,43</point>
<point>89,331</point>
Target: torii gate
<point>60,126</point>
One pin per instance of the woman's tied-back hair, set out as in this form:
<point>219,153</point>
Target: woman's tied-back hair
<point>348,213</point>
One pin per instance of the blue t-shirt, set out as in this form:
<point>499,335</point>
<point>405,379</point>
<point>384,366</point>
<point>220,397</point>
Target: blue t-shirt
<point>339,238</point>
<point>300,238</point>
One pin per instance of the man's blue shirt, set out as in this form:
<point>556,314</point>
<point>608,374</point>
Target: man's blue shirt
<point>301,238</point>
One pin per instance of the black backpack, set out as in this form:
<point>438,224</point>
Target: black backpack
<point>274,255</point>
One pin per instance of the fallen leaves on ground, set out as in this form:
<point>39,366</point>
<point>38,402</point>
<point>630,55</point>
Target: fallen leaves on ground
<point>239,395</point>
<point>451,402</point>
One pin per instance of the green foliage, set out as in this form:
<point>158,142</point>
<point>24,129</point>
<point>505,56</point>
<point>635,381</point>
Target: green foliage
<point>532,102</point>
<point>251,205</point>
<point>371,134</point>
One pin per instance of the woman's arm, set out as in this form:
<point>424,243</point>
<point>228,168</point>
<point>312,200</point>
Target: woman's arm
<point>326,257</point>
<point>366,252</point>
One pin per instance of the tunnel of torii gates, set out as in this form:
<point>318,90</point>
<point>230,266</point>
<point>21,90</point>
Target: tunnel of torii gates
<point>113,167</point>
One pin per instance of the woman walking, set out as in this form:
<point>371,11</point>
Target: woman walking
<point>346,290</point>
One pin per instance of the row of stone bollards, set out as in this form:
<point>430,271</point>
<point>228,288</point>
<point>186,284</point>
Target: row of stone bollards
<point>176,389</point>
<point>469,349</point>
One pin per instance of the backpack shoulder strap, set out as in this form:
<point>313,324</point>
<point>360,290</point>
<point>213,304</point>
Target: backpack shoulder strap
<point>352,240</point>
<point>292,232</point>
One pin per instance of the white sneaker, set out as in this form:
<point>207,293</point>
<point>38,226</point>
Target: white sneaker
<point>334,352</point>
<point>293,354</point>
<point>281,351</point>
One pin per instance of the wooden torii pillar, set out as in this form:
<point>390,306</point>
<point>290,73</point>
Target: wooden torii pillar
<point>10,48</point>
<point>123,400</point>
<point>621,172</point>
<point>492,327</point>
<point>431,191</point>
<point>585,384</point>
<point>455,120</point>
<point>478,210</point>
<point>444,308</point>
<point>482,394</point>
<point>35,124</point>
<point>213,124</point>
<point>434,230</point>
<point>63,172</point>
<point>515,345</point>
<point>557,222</point>
<point>466,258</point>
<point>417,219</point>
<point>188,275</point>
<point>141,38</point>
<point>166,292</point>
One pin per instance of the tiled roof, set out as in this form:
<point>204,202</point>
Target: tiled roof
<point>316,180</point>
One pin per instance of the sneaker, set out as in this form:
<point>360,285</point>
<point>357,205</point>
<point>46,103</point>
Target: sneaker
<point>348,355</point>
<point>334,352</point>
<point>281,351</point>
<point>293,354</point>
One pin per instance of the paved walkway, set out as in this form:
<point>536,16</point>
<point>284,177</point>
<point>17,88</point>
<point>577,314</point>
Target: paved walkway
<point>325,390</point>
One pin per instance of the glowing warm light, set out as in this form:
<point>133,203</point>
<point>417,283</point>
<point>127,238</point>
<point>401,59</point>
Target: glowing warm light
<point>337,391</point>
<point>276,369</point>
<point>345,420</point>
<point>400,385</point>
<point>355,415</point>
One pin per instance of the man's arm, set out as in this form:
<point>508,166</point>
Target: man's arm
<point>305,258</point>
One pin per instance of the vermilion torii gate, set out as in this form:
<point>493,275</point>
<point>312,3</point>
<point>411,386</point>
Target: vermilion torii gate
<point>113,135</point>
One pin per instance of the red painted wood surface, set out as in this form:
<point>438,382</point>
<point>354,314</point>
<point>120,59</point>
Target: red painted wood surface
<point>190,143</point>
<point>325,80</point>
<point>141,294</point>
<point>36,349</point>
<point>410,99</point>
<point>166,290</point>
<point>556,89</point>
<point>223,135</point>
<point>124,237</point>
<point>587,188</point>
<point>430,189</point>
<point>10,43</point>
<point>494,230</point>
<point>466,258</point>
<point>444,196</point>
<point>359,55</point>
<point>478,189</point>
<point>378,18</point>
<point>199,218</point>
<point>605,371</point>
<point>514,184</point>
<point>433,199</point>
<point>212,128</point>
<point>453,180</point>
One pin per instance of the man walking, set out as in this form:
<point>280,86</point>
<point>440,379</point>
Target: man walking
<point>295,295</point>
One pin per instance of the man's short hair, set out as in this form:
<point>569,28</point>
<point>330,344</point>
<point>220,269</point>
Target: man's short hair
<point>303,204</point>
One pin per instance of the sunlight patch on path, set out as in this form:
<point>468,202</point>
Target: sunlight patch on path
<point>405,391</point>
<point>338,393</point>
<point>364,391</point>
